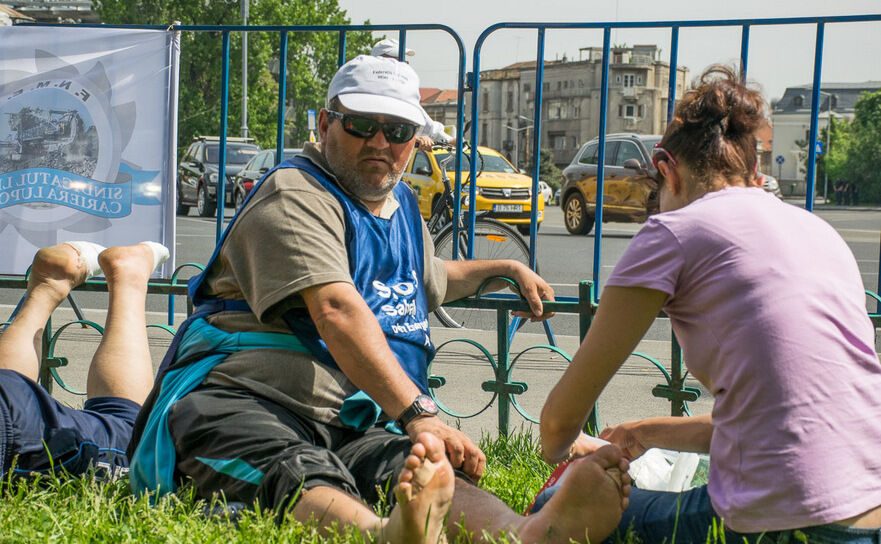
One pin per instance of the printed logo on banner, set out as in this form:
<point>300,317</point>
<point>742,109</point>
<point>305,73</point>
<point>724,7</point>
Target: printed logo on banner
<point>60,152</point>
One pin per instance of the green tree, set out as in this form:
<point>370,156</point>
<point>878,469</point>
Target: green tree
<point>547,170</point>
<point>856,148</point>
<point>312,61</point>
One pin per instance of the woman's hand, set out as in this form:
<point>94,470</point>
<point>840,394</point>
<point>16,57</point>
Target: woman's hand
<point>628,437</point>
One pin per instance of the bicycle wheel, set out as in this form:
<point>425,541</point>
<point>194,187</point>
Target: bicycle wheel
<point>492,240</point>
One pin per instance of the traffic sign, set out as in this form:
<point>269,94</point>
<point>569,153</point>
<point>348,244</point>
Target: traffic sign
<point>819,148</point>
<point>310,119</point>
<point>779,159</point>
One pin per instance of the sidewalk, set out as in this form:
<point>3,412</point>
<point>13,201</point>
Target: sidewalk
<point>820,205</point>
<point>463,366</point>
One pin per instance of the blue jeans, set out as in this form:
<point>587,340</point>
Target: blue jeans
<point>656,515</point>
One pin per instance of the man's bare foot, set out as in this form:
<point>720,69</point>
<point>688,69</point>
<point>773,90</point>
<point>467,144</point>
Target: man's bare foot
<point>424,492</point>
<point>128,263</point>
<point>55,271</point>
<point>589,503</point>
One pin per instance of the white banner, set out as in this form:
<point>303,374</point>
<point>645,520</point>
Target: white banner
<point>88,129</point>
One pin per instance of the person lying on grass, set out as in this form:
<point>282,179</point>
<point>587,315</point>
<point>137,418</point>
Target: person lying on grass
<point>768,304</point>
<point>37,434</point>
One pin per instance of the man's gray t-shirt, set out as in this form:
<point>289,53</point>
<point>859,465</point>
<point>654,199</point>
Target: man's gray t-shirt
<point>290,236</point>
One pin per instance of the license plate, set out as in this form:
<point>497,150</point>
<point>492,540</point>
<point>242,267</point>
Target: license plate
<point>507,207</point>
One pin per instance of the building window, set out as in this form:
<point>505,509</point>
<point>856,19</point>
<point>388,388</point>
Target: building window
<point>580,83</point>
<point>618,79</point>
<point>559,85</point>
<point>483,131</point>
<point>618,58</point>
<point>556,109</point>
<point>526,88</point>
<point>627,111</point>
<point>641,111</point>
<point>485,101</point>
<point>628,80</point>
<point>558,140</point>
<point>510,101</point>
<point>565,84</point>
<point>576,112</point>
<point>639,80</point>
<point>546,86</point>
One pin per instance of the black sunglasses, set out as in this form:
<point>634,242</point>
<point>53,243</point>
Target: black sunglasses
<point>364,127</point>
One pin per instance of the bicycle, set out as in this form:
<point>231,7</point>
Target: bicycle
<point>492,240</point>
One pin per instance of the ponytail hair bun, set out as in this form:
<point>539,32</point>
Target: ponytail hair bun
<point>714,127</point>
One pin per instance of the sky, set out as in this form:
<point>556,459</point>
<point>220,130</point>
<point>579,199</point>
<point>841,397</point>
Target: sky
<point>779,57</point>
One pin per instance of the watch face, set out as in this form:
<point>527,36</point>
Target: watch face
<point>427,404</point>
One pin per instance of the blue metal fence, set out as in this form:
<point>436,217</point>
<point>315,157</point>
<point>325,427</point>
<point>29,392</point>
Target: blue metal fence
<point>504,390</point>
<point>674,26</point>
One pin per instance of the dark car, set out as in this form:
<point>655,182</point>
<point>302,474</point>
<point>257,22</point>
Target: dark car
<point>199,167</point>
<point>630,192</point>
<point>261,163</point>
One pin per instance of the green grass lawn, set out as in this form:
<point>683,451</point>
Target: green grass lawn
<point>64,509</point>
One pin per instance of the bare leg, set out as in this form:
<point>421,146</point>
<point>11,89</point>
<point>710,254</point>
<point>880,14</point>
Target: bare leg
<point>55,271</point>
<point>587,507</point>
<point>121,366</point>
<point>424,490</point>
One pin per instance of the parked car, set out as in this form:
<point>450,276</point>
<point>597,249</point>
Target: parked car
<point>630,192</point>
<point>251,173</point>
<point>502,190</point>
<point>198,169</point>
<point>546,192</point>
<point>769,183</point>
<point>557,197</point>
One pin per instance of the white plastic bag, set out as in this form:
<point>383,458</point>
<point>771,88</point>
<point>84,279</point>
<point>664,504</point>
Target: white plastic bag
<point>664,470</point>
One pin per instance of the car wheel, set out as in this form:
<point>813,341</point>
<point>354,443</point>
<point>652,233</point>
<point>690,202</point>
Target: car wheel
<point>575,216</point>
<point>524,229</point>
<point>182,209</point>
<point>205,207</point>
<point>239,200</point>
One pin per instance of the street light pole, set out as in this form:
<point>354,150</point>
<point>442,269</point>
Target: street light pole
<point>245,5</point>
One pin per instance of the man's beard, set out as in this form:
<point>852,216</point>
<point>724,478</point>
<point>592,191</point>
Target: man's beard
<point>352,181</point>
<point>362,190</point>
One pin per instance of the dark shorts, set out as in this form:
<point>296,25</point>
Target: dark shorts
<point>250,449</point>
<point>37,434</point>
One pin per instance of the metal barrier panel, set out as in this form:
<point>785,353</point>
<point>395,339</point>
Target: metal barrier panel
<point>675,390</point>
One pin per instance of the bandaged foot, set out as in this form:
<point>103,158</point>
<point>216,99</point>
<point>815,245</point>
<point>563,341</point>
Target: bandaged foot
<point>88,253</point>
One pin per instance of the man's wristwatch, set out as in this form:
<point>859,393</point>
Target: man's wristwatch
<point>423,404</point>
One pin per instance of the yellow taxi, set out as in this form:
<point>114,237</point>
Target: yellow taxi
<point>501,190</point>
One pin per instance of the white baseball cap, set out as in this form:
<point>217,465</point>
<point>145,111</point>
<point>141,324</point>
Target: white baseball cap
<point>389,47</point>
<point>368,84</point>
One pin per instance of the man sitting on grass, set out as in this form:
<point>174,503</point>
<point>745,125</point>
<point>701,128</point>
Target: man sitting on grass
<point>311,346</point>
<point>37,434</point>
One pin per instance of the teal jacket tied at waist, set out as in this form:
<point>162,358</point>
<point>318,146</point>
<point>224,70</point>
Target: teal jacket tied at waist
<point>154,460</point>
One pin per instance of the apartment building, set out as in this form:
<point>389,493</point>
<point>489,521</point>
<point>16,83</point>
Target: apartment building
<point>791,118</point>
<point>637,101</point>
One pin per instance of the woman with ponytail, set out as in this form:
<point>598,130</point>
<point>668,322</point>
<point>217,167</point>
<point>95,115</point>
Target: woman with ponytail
<point>767,302</point>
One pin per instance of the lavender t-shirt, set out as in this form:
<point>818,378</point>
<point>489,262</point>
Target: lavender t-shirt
<point>768,304</point>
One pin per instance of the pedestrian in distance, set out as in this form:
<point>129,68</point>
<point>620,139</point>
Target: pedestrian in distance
<point>767,301</point>
<point>432,131</point>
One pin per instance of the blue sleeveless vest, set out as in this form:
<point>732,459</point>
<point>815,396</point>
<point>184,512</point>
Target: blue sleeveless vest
<point>386,262</point>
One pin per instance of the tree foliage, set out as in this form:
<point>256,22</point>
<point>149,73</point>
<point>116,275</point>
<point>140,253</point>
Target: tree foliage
<point>856,148</point>
<point>547,170</point>
<point>312,61</point>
